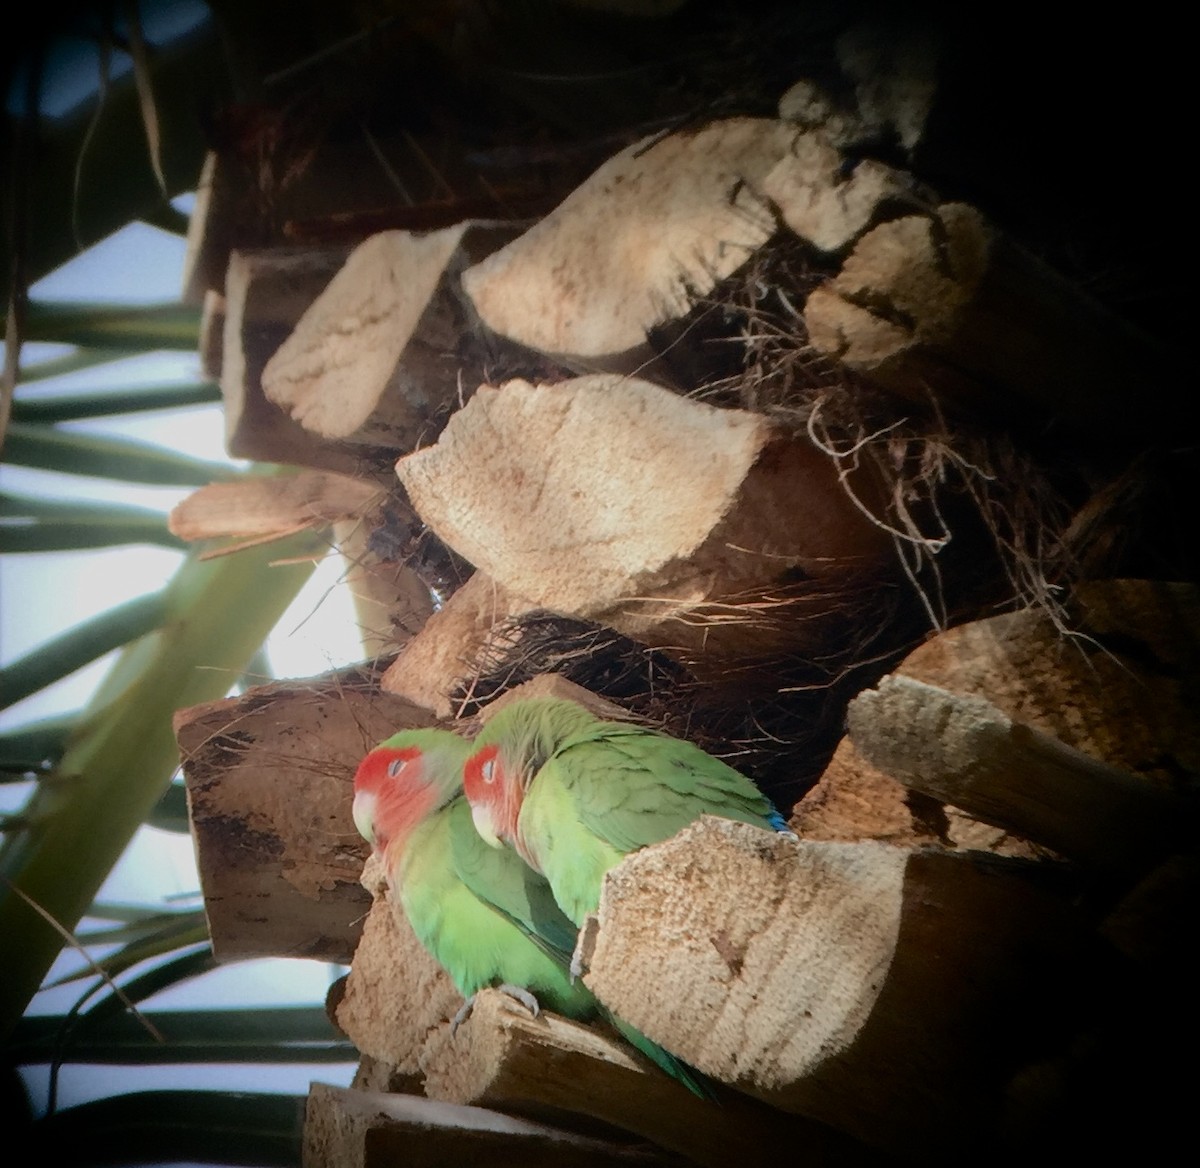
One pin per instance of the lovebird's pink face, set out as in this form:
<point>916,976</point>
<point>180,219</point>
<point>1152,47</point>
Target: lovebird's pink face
<point>391,795</point>
<point>486,787</point>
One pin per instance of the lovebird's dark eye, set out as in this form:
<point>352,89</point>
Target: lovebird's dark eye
<point>395,767</point>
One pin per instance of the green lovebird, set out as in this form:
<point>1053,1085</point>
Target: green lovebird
<point>574,794</point>
<point>479,918</point>
<point>486,917</point>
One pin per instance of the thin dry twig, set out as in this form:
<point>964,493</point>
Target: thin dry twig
<point>78,946</point>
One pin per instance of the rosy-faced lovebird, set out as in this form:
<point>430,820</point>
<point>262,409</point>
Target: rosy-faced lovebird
<point>482,920</point>
<point>574,794</point>
<point>486,917</point>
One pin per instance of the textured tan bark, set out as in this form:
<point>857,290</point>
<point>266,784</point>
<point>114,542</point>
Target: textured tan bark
<point>395,994</point>
<point>823,203</point>
<point>275,185</point>
<point>657,226</point>
<point>614,499</point>
<point>210,345</point>
<point>854,800</point>
<point>942,302</point>
<point>884,992</point>
<point>278,504</point>
<point>550,1066</point>
<point>370,1129</point>
<point>269,778</point>
<point>373,1074</point>
<point>653,228</point>
<point>761,989</point>
<point>438,659</point>
<point>964,751</point>
<point>893,69</point>
<point>376,357</point>
<point>203,270</point>
<point>1122,690</point>
<point>266,293</point>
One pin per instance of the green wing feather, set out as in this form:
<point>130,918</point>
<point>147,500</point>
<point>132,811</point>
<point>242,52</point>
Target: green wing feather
<point>500,877</point>
<point>486,916</point>
<point>635,787</point>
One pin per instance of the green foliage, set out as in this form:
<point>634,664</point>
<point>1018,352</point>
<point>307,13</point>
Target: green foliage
<point>286,1034</point>
<point>214,615</point>
<point>74,453</point>
<point>223,1127</point>
<point>79,646</point>
<point>35,747</point>
<point>101,772</point>
<point>97,774</point>
<point>141,328</point>
<point>73,407</point>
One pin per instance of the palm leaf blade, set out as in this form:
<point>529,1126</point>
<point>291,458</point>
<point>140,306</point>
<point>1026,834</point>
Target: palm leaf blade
<point>222,1127</point>
<point>217,613</point>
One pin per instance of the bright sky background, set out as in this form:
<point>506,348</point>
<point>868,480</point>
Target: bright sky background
<point>42,594</point>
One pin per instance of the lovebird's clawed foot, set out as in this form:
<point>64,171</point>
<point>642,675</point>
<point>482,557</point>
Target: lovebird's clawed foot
<point>585,946</point>
<point>464,1012</point>
<point>523,996</point>
<point>517,993</point>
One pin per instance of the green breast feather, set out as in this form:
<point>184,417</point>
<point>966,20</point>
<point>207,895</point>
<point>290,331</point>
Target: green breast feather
<point>476,942</point>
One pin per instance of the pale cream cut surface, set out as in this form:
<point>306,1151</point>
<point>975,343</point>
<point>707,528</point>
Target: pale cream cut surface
<point>440,655</point>
<point>260,506</point>
<point>330,372</point>
<point>575,495</point>
<point>395,992</point>
<point>654,227</point>
<point>821,204</point>
<point>774,949</point>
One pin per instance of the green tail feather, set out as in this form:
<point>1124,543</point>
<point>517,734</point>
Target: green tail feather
<point>691,1078</point>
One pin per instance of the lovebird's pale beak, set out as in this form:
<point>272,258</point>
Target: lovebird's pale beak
<point>363,810</point>
<point>482,818</point>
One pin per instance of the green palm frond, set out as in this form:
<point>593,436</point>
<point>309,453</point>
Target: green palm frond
<point>144,941</point>
<point>283,1034</point>
<point>98,774</point>
<point>143,328</point>
<point>80,646</point>
<point>75,453</point>
<point>214,616</point>
<point>166,923</point>
<point>221,1127</point>
<point>29,524</point>
<point>34,747</point>
<point>182,967</point>
<point>79,358</point>
<point>170,813</point>
<point>104,403</point>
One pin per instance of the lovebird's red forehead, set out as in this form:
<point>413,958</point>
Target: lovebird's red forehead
<point>378,768</point>
<point>481,778</point>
